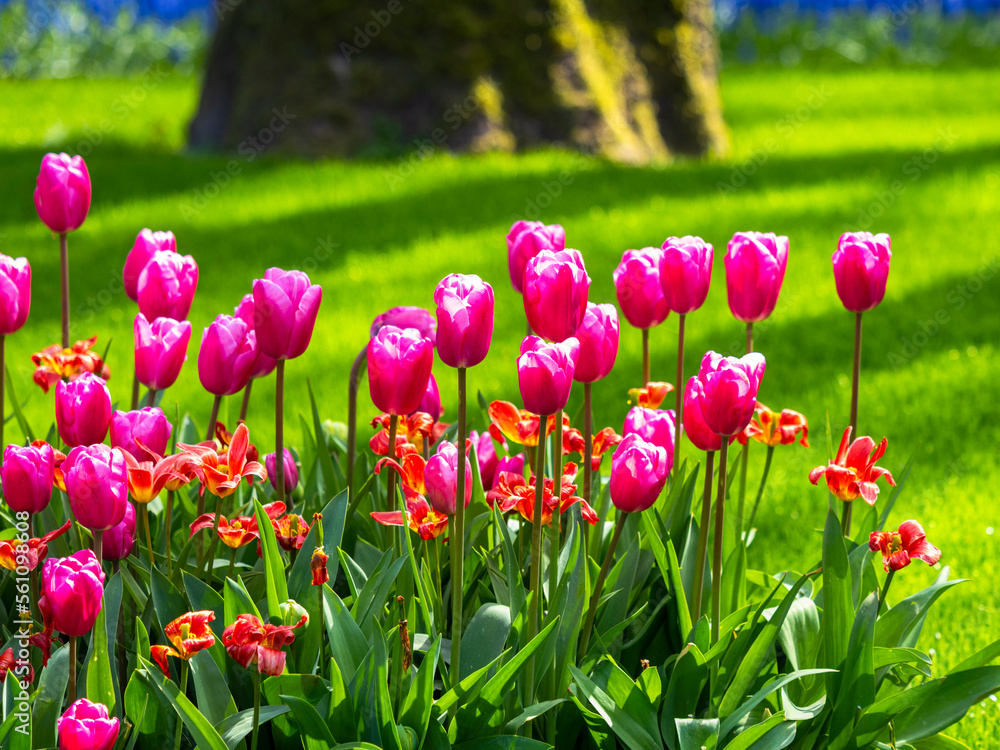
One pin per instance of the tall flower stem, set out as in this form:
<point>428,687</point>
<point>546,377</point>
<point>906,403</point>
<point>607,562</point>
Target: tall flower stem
<point>845,519</point>
<point>135,391</point>
<point>720,508</point>
<point>64,272</point>
<point>588,442</point>
<point>166,527</point>
<point>71,691</point>
<point>318,525</point>
<point>885,591</point>
<point>760,490</point>
<point>390,496</point>
<point>645,357</point>
<point>213,418</point>
<point>246,400</point>
<point>595,597</point>
<point>210,554</point>
<point>279,431</point>
<point>33,575</point>
<point>697,588</point>
<point>151,397</point>
<point>744,462</point>
<point>536,552</point>
<point>149,540</point>
<point>352,417</point>
<point>232,566</point>
<point>679,394</point>
<point>458,543</point>
<point>99,546</point>
<point>749,338</point>
<point>555,528</point>
<point>184,684</point>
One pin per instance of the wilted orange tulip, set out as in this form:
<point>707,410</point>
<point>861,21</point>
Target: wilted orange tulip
<point>771,428</point>
<point>651,396</point>
<point>853,473</point>
<point>188,634</point>
<point>898,548</point>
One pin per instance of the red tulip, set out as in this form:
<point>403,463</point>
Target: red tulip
<point>637,284</point>
<point>166,286</point>
<point>96,479</point>
<point>27,475</point>
<point>853,473</point>
<point>638,473</point>
<point>598,337</point>
<point>898,548</point>
<point>285,306</point>
<point>148,426</point>
<point>527,239</point>
<point>861,268</point>
<point>15,293</point>
<point>62,192</point>
<point>71,592</point>
<point>399,364</point>
<point>249,641</point>
<point>465,320</point>
<point>514,492</point>
<point>87,726</point>
<point>83,410</point>
<point>420,517</point>
<point>12,556</point>
<point>755,267</point>
<point>545,373</point>
<point>555,293</point>
<point>146,245</point>
<point>228,354</point>
<point>188,634</point>
<point>730,390</point>
<point>655,426</point>
<point>685,272</point>
<point>160,350</point>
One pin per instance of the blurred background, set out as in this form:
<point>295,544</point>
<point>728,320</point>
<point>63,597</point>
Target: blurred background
<point>381,146</point>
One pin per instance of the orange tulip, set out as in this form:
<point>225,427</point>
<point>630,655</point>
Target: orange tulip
<point>188,634</point>
<point>853,473</point>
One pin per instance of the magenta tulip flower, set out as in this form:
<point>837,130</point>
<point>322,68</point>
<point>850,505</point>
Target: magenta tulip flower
<point>508,464</point>
<point>83,410</point>
<point>119,540</point>
<point>285,305</point>
<point>15,293</point>
<point>227,356</point>
<point>71,592</point>
<point>639,471</point>
<point>441,479</point>
<point>695,427</point>
<point>264,365</point>
<point>685,272</point>
<point>465,319</point>
<point>755,267</point>
<point>97,485</point>
<point>730,390</point>
<point>638,287</point>
<point>655,426</point>
<point>486,456</point>
<point>399,364</point>
<point>431,402</point>
<point>147,244</point>
<point>545,373</point>
<point>27,475</point>
<point>62,192</point>
<point>291,474</point>
<point>160,350</point>
<point>598,337</point>
<point>555,293</point>
<point>861,268</point>
<point>527,239</point>
<point>166,286</point>
<point>148,426</point>
<point>87,726</point>
<point>407,316</point>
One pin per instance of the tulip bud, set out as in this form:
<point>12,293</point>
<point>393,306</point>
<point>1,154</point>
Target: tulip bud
<point>71,592</point>
<point>96,479</point>
<point>755,267</point>
<point>119,540</point>
<point>441,479</point>
<point>399,364</point>
<point>555,293</point>
<point>292,612</point>
<point>228,353</point>
<point>730,390</point>
<point>638,473</point>
<point>431,402</point>
<point>486,457</point>
<point>147,244</point>
<point>15,293</point>
<point>264,365</point>
<point>148,425</point>
<point>83,410</point>
<point>62,192</point>
<point>407,316</point>
<point>861,268</point>
<point>655,426</point>
<point>527,239</point>
<point>465,319</point>
<point>638,287</point>
<point>291,470</point>
<point>545,373</point>
<point>166,286</point>
<point>285,306</point>
<point>598,337</point>
<point>160,350</point>
<point>87,726</point>
<point>27,475</point>
<point>685,272</point>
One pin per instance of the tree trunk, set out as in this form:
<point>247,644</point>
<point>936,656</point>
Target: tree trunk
<point>634,80</point>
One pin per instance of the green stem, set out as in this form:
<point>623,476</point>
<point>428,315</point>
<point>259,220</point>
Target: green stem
<point>64,273</point>
<point>256,707</point>
<point>595,597</point>
<point>845,519</point>
<point>701,559</point>
<point>458,543</point>
<point>210,555</point>
<point>645,357</point>
<point>885,591</point>
<point>588,441</point>
<point>760,490</point>
<point>183,691</point>
<point>741,500</point>
<point>352,417</point>
<point>749,338</point>
<point>246,400</point>
<point>213,418</point>
<point>536,553</point>
<point>151,397</point>
<point>3,370</point>
<point>279,432</point>
<point>720,508</point>
<point>439,599</point>
<point>71,691</point>
<point>149,541</point>
<point>232,566</point>
<point>679,394</point>
<point>390,493</point>
<point>99,546</point>
<point>166,525</point>
<point>555,528</point>
<point>135,391</point>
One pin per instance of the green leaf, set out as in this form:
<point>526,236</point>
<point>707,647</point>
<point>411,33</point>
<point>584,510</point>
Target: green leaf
<point>237,601</point>
<point>511,564</point>
<point>697,734</point>
<point>800,638</point>
<point>939,742</point>
<point>857,686</point>
<point>325,460</point>
<point>733,719</point>
<point>274,565</point>
<point>314,732</point>
<point>901,625</point>
<point>876,717</point>
<point>532,712</point>
<point>310,688</point>
<point>348,644</point>
<point>236,727</point>
<point>624,726</point>
<point>961,690</point>
<point>147,709</point>
<point>758,736</point>
<point>838,608</point>
<point>16,405</point>
<point>340,714</point>
<point>484,637</point>
<point>214,699</point>
<point>300,575</point>
<point>47,707</point>
<point>416,710</point>
<point>371,599</point>
<point>383,704</point>
<point>203,732</point>
<point>168,602</point>
<point>981,658</point>
<point>687,679</point>
<point>666,561</point>
<point>503,742</point>
<point>100,684</point>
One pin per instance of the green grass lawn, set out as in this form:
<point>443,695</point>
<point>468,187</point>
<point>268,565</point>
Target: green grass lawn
<point>915,153</point>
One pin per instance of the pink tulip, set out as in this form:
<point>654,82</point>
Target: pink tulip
<point>27,475</point>
<point>119,540</point>
<point>87,726</point>
<point>598,337</point>
<point>431,402</point>
<point>83,410</point>
<point>160,350</point>
<point>399,364</point>
<point>147,244</point>
<point>285,305</point>
<point>97,485</point>
<point>730,390</point>
<point>685,272</point>
<point>861,268</point>
<point>527,239</point>
<point>148,426</point>
<point>637,284</point>
<point>508,464</point>
<point>555,293</point>
<point>695,428</point>
<point>486,456</point>
<point>62,192</point>
<point>441,479</point>
<point>15,293</point>
<point>71,592</point>
<point>545,373</point>
<point>291,474</point>
<point>755,267</point>
<point>655,426</point>
<point>265,365</point>
<point>227,355</point>
<point>166,286</point>
<point>638,473</point>
<point>465,319</point>
<point>407,316</point>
